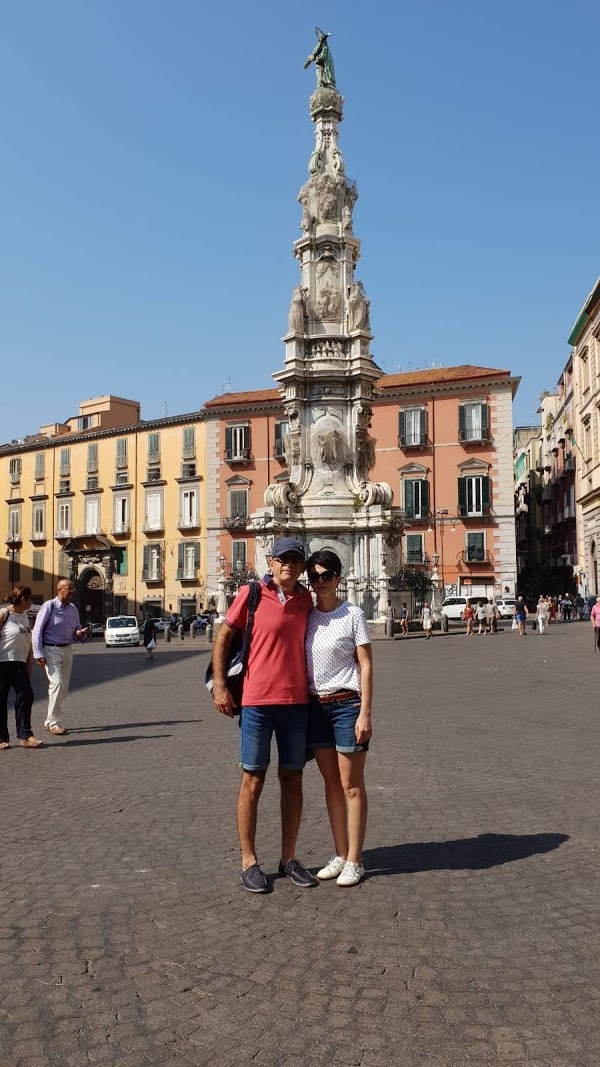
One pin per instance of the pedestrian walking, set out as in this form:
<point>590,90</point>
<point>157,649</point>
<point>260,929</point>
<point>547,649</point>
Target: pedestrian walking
<point>15,667</point>
<point>274,700</point>
<point>595,621</point>
<point>56,628</point>
<point>491,614</point>
<point>542,613</point>
<point>521,614</point>
<point>340,685</point>
<point>404,619</point>
<point>552,609</point>
<point>467,615</point>
<point>481,617</point>
<point>427,620</point>
<point>566,608</point>
<point>149,636</point>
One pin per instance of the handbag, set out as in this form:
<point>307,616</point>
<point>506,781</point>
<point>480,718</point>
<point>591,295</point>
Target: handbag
<point>237,659</point>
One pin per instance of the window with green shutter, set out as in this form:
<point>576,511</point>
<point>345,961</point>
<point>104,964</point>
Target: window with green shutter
<point>40,466</point>
<point>238,554</point>
<point>475,547</point>
<point>416,498</point>
<point>473,422</point>
<point>189,442</point>
<point>121,453</point>
<point>412,427</point>
<point>64,462</point>
<point>474,495</point>
<point>414,548</point>
<point>92,459</point>
<point>153,447</point>
<point>38,567</point>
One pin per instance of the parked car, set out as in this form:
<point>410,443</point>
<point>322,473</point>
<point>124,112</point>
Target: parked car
<point>121,630</point>
<point>453,606</point>
<point>506,606</point>
<point>160,625</point>
<point>96,629</point>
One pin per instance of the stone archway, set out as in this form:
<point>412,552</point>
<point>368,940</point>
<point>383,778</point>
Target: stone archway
<point>90,595</point>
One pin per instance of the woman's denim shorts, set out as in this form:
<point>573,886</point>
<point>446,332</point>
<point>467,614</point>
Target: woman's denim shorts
<point>332,725</point>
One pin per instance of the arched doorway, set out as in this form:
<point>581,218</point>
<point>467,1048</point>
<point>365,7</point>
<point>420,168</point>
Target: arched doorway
<point>594,567</point>
<point>91,596</point>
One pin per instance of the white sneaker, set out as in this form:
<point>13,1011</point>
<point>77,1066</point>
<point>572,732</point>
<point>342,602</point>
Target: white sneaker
<point>332,868</point>
<point>352,874</point>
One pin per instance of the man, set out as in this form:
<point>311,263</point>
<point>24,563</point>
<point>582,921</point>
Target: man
<point>57,626</point>
<point>274,699</point>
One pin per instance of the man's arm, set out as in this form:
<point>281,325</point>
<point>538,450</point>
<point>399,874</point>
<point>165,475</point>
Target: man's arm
<point>38,631</point>
<point>222,698</point>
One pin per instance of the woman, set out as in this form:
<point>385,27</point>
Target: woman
<point>149,635</point>
<point>468,615</point>
<point>427,620</point>
<point>521,614</point>
<point>340,682</point>
<point>15,667</point>
<point>542,615</point>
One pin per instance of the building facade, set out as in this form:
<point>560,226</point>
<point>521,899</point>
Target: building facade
<point>585,339</point>
<point>114,502</point>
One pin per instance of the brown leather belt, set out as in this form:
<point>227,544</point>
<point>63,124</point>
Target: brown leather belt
<point>342,694</point>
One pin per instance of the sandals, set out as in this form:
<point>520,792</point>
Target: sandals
<point>31,742</point>
<point>4,744</point>
<point>56,729</point>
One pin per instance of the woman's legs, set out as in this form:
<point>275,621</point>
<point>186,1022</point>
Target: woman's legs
<point>5,682</point>
<point>327,762</point>
<point>24,700</point>
<point>352,778</point>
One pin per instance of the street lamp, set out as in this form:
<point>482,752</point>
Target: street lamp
<point>441,517</point>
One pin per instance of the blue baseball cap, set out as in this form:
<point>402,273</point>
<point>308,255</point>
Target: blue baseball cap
<point>287,544</point>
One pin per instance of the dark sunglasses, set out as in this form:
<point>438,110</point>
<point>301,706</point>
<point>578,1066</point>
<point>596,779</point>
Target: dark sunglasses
<point>315,577</point>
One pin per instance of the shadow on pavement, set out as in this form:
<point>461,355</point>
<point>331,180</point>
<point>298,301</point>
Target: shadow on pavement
<point>98,666</point>
<point>108,740</point>
<point>130,725</point>
<point>470,853</point>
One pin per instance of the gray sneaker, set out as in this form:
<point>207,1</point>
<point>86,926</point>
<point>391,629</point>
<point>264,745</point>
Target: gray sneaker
<point>254,880</point>
<point>298,874</point>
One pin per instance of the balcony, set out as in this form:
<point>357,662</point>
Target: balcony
<point>153,574</point>
<point>475,555</point>
<point>483,512</point>
<point>120,529</point>
<point>62,533</point>
<point>472,436</point>
<point>412,440</point>
<point>38,535</point>
<point>278,452</point>
<point>416,515</point>
<point>235,522</point>
<point>13,538</point>
<point>153,525</point>
<point>187,575</point>
<point>240,455</point>
<point>188,522</point>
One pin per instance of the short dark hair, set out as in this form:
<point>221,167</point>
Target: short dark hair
<point>325,557</point>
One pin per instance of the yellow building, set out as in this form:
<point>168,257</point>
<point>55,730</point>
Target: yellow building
<point>115,502</point>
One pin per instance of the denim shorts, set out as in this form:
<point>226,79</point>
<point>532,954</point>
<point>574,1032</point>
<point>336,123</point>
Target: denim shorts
<point>332,725</point>
<point>289,723</point>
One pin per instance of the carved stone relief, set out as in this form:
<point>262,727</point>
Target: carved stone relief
<point>297,311</point>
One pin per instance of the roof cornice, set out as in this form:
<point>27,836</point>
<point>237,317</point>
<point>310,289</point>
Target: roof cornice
<point>66,440</point>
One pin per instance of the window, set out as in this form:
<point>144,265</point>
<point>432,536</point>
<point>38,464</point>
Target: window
<point>475,552</point>
<point>121,453</point>
<point>188,560</point>
<point>121,563</point>
<point>238,553</point>
<point>85,422</point>
<point>64,462</point>
<point>281,432</point>
<point>15,470</point>
<point>38,567</point>
<point>121,515</point>
<point>64,564</point>
<point>38,522</point>
<point>416,498</point>
<point>414,548</point>
<point>238,503</point>
<point>412,427</point>
<point>153,511</point>
<point>188,470</point>
<point>474,494</point>
<point>587,440</point>
<point>14,523</point>
<point>92,515</point>
<point>152,565</point>
<point>64,485</point>
<point>92,481</point>
<point>63,520</point>
<point>585,370</point>
<point>473,422</point>
<point>153,448</point>
<point>40,467</point>
<point>188,508</point>
<point>237,442</point>
<point>153,474</point>
<point>122,478</point>
<point>189,442</point>
<point>14,568</point>
<point>92,459</point>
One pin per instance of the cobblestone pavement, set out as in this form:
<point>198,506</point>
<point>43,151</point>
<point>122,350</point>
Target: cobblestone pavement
<point>125,938</point>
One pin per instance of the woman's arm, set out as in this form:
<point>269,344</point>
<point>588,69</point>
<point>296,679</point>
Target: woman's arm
<point>363,729</point>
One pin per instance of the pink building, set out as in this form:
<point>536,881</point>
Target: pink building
<point>443,442</point>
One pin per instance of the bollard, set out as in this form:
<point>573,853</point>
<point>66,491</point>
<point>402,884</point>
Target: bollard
<point>444,621</point>
<point>389,627</point>
<point>167,633</point>
<point>209,633</point>
<point>181,631</point>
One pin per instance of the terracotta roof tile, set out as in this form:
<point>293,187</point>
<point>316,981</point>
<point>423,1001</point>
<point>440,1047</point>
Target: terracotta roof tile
<point>252,397</point>
<point>440,374</point>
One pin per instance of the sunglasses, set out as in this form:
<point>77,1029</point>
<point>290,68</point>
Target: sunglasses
<point>315,577</point>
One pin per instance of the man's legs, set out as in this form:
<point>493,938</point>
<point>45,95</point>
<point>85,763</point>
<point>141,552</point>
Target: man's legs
<point>291,811</point>
<point>58,670</point>
<point>250,790</point>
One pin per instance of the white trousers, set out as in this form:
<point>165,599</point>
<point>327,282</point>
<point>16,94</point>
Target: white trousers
<point>541,623</point>
<point>58,671</point>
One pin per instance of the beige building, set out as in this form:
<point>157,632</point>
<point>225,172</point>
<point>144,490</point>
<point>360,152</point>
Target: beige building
<point>585,338</point>
<point>113,501</point>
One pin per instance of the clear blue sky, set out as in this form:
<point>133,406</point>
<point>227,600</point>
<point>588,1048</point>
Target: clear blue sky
<point>153,151</point>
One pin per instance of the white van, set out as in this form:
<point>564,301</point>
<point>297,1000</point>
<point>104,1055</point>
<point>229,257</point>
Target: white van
<point>121,630</point>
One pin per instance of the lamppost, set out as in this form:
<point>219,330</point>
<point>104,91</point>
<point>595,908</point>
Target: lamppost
<point>12,541</point>
<point>440,518</point>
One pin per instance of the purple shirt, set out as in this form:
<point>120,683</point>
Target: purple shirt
<point>55,624</point>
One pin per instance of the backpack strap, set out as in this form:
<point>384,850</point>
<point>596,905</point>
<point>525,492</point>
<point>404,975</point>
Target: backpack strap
<point>253,600</point>
<point>6,613</point>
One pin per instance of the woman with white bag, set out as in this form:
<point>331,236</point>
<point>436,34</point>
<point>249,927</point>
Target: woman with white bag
<point>149,636</point>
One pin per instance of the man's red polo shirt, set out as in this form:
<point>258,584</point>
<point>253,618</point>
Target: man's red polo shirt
<point>276,671</point>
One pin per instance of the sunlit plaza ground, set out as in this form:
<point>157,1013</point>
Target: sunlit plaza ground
<point>126,939</point>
